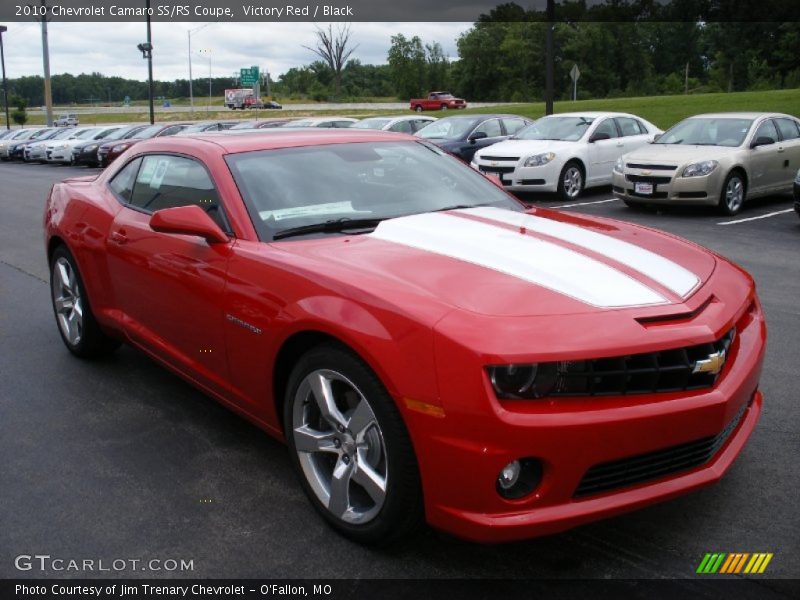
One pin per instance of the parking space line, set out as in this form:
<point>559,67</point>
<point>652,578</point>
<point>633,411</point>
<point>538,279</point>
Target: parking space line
<point>585,203</point>
<point>772,214</point>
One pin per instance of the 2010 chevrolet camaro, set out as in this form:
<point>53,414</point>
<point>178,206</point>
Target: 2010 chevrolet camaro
<point>426,346</point>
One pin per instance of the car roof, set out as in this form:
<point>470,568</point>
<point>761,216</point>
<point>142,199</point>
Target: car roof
<point>740,115</point>
<point>484,116</point>
<point>593,113</point>
<point>249,141</point>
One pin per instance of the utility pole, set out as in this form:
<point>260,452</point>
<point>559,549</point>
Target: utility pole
<point>548,85</point>
<point>3,29</point>
<point>48,94</point>
<point>150,66</point>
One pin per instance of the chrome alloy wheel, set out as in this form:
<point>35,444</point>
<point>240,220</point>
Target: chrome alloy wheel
<point>734,194</point>
<point>340,446</point>
<point>67,301</point>
<point>573,182</point>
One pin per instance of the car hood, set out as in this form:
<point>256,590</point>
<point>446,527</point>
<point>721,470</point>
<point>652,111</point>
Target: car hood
<point>678,153</point>
<point>520,148</point>
<point>502,263</point>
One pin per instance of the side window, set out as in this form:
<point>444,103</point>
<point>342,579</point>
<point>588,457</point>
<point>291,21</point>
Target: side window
<point>420,123</point>
<point>767,129</point>
<point>122,184</point>
<point>629,126</point>
<point>402,127</point>
<point>788,128</point>
<point>608,127</point>
<point>167,181</point>
<point>513,125</point>
<point>490,127</point>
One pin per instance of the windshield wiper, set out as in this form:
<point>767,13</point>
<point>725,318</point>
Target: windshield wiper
<point>458,207</point>
<point>332,226</point>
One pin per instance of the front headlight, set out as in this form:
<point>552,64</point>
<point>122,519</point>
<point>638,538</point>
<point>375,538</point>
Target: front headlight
<point>619,166</point>
<point>523,381</point>
<point>537,160</point>
<point>119,147</point>
<point>700,169</point>
<point>474,166</point>
<point>90,148</point>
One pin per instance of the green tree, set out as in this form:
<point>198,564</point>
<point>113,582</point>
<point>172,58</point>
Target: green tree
<point>407,66</point>
<point>19,115</point>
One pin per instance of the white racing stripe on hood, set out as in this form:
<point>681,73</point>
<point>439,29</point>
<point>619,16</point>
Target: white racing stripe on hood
<point>669,274</point>
<point>537,261</point>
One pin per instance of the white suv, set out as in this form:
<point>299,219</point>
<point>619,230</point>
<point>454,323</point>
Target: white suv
<point>67,120</point>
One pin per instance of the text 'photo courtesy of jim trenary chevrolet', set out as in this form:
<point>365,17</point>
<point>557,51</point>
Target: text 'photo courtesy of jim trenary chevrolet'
<point>383,300</point>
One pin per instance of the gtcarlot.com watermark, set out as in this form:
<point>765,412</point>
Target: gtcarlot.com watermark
<point>47,563</point>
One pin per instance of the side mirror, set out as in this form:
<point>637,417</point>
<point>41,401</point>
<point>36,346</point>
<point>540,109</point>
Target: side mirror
<point>187,220</point>
<point>596,137</point>
<point>478,135</point>
<point>761,141</point>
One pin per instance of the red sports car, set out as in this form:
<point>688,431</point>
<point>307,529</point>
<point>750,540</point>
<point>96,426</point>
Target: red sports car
<point>426,346</point>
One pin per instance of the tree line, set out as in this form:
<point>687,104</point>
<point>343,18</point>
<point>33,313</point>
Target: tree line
<point>502,57</point>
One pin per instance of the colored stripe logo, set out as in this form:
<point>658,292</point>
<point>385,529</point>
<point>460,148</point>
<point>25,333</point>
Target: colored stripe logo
<point>734,563</point>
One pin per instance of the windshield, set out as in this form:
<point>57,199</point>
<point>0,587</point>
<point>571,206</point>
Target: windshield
<point>43,134</point>
<point>88,134</point>
<point>370,180</point>
<point>120,133</point>
<point>565,129</point>
<point>447,129</point>
<point>708,132</point>
<point>199,128</point>
<point>244,125</point>
<point>302,123</point>
<point>149,132</point>
<point>371,124</point>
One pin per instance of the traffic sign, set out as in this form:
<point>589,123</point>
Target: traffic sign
<point>249,76</point>
<point>575,73</point>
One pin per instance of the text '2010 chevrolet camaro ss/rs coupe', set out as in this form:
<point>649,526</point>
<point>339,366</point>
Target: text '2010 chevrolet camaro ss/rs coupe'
<point>427,347</point>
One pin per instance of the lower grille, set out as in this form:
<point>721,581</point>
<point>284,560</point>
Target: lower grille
<point>692,195</point>
<point>653,465</point>
<point>532,182</point>
<point>496,169</point>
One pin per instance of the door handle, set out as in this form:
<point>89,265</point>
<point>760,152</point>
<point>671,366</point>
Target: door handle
<point>119,237</point>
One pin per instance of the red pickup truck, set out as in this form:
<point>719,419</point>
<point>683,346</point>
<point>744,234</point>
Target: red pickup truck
<point>437,101</point>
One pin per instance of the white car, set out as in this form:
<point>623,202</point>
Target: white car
<point>565,153</point>
<point>67,120</point>
<point>402,124</point>
<point>60,151</point>
<point>327,122</point>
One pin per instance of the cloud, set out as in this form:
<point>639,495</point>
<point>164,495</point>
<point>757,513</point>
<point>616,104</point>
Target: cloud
<point>110,48</point>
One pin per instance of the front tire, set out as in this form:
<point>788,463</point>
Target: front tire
<point>350,448</point>
<point>418,108</point>
<point>733,194</point>
<point>570,181</point>
<point>76,323</point>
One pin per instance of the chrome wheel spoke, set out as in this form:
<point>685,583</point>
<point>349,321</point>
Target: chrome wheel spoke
<point>63,305</point>
<point>339,501</point>
<point>323,395</point>
<point>63,276</point>
<point>361,419</point>
<point>372,482</point>
<point>309,440</point>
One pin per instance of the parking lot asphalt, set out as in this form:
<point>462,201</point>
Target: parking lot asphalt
<point>121,459</point>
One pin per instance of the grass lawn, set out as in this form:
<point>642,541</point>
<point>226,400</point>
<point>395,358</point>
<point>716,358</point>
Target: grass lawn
<point>664,111</point>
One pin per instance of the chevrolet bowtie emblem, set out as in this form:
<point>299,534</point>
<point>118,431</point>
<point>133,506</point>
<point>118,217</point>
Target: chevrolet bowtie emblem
<point>713,364</point>
<point>494,163</point>
<point>647,172</point>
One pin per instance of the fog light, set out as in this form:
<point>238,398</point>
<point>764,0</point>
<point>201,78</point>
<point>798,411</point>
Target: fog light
<point>519,478</point>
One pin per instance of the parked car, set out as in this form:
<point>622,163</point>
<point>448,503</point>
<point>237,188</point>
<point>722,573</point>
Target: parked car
<point>437,101</point>
<point>16,136</point>
<point>86,153</point>
<point>16,150</point>
<point>62,151</point>
<point>67,120</point>
<point>501,372</point>
<point>719,159</point>
<point>565,153</point>
<point>36,151</point>
<point>328,122</point>
<point>464,135</point>
<point>272,105</point>
<point>108,152</point>
<point>5,133</point>
<point>261,123</point>
<point>401,124</point>
<point>207,126</point>
<point>797,193</point>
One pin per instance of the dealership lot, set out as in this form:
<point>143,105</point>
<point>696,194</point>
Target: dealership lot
<point>120,459</point>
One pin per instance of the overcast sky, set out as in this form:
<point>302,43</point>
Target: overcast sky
<point>111,48</point>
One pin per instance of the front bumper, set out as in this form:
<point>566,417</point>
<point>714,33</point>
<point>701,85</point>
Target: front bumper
<point>797,198</point>
<point>523,179</point>
<point>59,155</point>
<point>669,187</point>
<point>462,455</point>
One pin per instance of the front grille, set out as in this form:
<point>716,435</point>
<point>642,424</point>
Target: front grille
<point>652,167</point>
<point>653,465</point>
<point>652,372</point>
<point>498,158</point>
<point>496,169</point>
<point>647,179</point>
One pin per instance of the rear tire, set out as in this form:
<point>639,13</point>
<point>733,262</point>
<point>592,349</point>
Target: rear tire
<point>418,108</point>
<point>733,194</point>
<point>352,454</point>
<point>76,323</point>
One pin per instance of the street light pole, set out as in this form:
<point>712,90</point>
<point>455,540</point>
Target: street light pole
<point>548,85</point>
<point>3,29</point>
<point>48,93</point>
